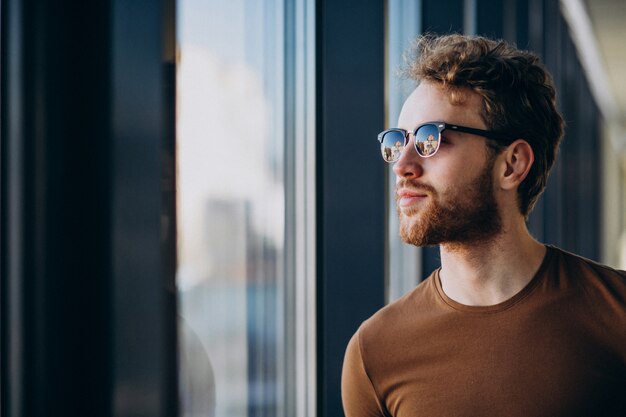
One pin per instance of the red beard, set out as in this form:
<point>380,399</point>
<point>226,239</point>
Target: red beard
<point>465,214</point>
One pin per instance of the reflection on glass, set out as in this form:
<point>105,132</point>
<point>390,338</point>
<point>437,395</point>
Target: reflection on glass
<point>231,207</point>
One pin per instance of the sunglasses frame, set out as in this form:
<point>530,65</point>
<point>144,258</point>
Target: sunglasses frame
<point>441,126</point>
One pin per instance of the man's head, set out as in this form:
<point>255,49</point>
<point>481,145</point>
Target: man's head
<point>517,94</point>
<point>447,196</point>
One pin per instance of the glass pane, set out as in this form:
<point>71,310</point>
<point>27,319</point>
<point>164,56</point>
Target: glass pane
<point>242,292</point>
<point>403,22</point>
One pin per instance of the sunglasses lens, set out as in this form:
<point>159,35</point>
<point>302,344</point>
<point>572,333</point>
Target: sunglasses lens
<point>392,145</point>
<point>427,139</point>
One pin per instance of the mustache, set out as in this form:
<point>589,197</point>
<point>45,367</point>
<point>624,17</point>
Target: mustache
<point>415,185</point>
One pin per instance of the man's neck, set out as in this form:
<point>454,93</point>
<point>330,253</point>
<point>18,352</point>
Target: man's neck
<point>481,274</point>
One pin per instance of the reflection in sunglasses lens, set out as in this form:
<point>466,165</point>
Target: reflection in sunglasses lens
<point>392,146</point>
<point>427,140</point>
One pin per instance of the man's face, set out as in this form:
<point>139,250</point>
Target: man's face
<point>448,198</point>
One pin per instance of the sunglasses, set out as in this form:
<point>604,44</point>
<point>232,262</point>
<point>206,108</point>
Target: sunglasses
<point>427,139</point>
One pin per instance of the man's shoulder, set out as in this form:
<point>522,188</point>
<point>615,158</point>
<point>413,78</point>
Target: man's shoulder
<point>571,263</point>
<point>404,311</point>
<point>603,285</point>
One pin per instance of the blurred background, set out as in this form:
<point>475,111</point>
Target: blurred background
<point>195,217</point>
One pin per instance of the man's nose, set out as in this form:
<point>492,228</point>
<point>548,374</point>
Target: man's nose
<point>410,163</point>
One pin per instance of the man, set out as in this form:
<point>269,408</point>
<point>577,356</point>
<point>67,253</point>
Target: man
<point>507,326</point>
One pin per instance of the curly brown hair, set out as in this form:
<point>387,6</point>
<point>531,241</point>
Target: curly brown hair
<point>518,95</point>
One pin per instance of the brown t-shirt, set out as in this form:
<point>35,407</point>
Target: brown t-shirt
<point>557,348</point>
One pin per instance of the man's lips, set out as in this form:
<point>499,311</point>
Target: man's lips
<point>407,197</point>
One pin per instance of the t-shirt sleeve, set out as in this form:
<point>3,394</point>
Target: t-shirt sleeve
<point>357,392</point>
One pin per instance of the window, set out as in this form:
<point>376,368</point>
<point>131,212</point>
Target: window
<point>404,262</point>
<point>245,208</point>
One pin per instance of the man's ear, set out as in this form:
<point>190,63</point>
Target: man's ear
<point>515,161</point>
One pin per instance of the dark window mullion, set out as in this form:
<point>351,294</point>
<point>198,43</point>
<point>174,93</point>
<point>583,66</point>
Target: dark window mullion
<point>351,181</point>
